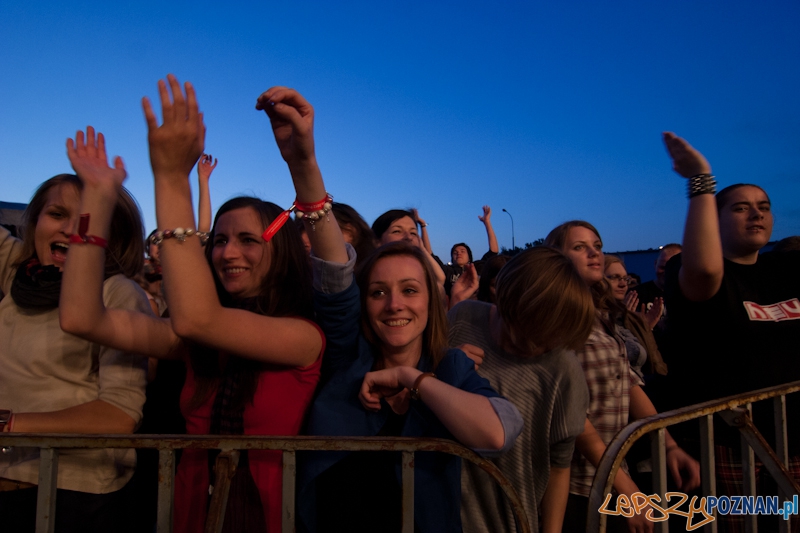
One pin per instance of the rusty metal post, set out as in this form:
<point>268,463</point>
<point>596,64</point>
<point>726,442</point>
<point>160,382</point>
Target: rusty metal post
<point>781,450</point>
<point>408,492</point>
<point>224,470</point>
<point>46,496</point>
<point>658,452</point>
<point>166,490</point>
<point>708,471</point>
<point>289,477</point>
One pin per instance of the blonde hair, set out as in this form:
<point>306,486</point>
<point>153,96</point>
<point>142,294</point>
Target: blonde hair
<point>543,301</point>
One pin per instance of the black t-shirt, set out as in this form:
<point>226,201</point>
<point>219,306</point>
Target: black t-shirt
<point>648,292</point>
<point>744,338</point>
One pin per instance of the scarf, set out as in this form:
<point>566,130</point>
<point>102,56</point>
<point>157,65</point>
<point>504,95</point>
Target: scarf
<point>36,287</point>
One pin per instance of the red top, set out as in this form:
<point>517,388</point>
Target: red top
<point>278,408</point>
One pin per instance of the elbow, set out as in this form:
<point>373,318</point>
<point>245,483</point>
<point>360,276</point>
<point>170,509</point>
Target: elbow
<point>74,323</point>
<point>191,326</point>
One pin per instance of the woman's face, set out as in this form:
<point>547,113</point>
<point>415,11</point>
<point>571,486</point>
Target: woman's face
<point>585,249</point>
<point>241,258</point>
<point>402,229</point>
<point>57,221</point>
<point>397,304</point>
<point>617,277</point>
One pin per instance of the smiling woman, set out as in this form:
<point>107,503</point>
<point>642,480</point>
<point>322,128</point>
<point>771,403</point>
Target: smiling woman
<point>53,382</point>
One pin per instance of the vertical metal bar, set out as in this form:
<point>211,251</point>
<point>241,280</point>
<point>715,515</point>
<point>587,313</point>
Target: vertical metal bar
<point>749,475</point>
<point>781,449</point>
<point>658,452</point>
<point>289,477</point>
<point>46,497</point>
<point>166,484</point>
<point>408,492</point>
<point>707,465</point>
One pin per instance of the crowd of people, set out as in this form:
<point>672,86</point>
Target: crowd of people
<point>259,325</point>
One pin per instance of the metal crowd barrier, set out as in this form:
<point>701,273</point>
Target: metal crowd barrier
<point>735,410</point>
<point>49,444</point>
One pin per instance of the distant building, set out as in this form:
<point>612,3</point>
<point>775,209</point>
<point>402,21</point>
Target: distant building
<point>11,216</point>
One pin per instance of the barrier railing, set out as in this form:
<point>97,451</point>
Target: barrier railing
<point>49,444</point>
<point>735,410</point>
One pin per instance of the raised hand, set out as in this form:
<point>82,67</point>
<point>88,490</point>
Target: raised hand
<point>487,214</point>
<point>417,218</point>
<point>653,315</point>
<point>205,166</point>
<point>465,286</point>
<point>176,145</point>
<point>90,162</point>
<point>686,161</point>
<point>292,119</point>
<point>631,301</point>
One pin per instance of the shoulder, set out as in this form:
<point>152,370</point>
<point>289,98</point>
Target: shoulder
<point>120,292</point>
<point>468,311</point>
<point>458,370</point>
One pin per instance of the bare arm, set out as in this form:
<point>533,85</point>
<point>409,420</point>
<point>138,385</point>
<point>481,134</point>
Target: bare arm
<point>82,310</point>
<point>195,309</point>
<point>554,501</point>
<point>469,417</point>
<point>204,170</point>
<point>423,231</point>
<point>92,417</point>
<point>292,120</point>
<point>487,221</point>
<point>702,265</point>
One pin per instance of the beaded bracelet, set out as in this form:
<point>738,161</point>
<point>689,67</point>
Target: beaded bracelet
<point>178,233</point>
<point>702,184</point>
<point>82,238</point>
<point>312,212</point>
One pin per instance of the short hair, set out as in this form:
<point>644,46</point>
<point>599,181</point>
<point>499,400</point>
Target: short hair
<point>672,246</point>
<point>469,251</point>
<point>722,196</point>
<point>434,340</point>
<point>125,251</point>
<point>286,288</point>
<point>543,301</point>
<point>489,272</point>
<point>383,222</point>
<point>364,239</point>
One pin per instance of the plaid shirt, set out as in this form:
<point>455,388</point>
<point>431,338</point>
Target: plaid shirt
<point>610,378</point>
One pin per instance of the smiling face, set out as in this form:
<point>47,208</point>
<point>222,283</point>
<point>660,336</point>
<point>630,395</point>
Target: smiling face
<point>55,223</point>
<point>397,305</point>
<point>617,277</point>
<point>241,258</point>
<point>402,229</point>
<point>585,249</point>
<point>745,223</point>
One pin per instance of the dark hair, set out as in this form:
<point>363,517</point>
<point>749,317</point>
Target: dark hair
<point>722,196</point>
<point>125,251</point>
<point>541,286</point>
<point>489,273</point>
<point>285,291</point>
<point>469,251</point>
<point>434,340</point>
<point>383,222</point>
<point>787,244</point>
<point>363,237</point>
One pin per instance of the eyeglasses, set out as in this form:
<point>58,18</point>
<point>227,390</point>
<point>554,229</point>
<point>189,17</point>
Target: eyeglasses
<point>616,278</point>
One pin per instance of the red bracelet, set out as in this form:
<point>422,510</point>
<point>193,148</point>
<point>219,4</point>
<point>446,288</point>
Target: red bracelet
<point>311,212</point>
<point>82,238</point>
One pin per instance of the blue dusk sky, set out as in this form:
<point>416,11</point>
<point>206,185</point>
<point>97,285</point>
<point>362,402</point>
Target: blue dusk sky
<point>551,110</point>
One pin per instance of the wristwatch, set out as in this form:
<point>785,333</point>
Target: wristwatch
<point>5,418</point>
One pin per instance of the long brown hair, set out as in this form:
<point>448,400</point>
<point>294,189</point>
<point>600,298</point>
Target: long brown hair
<point>285,291</point>
<point>601,291</point>
<point>125,252</point>
<point>434,341</point>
